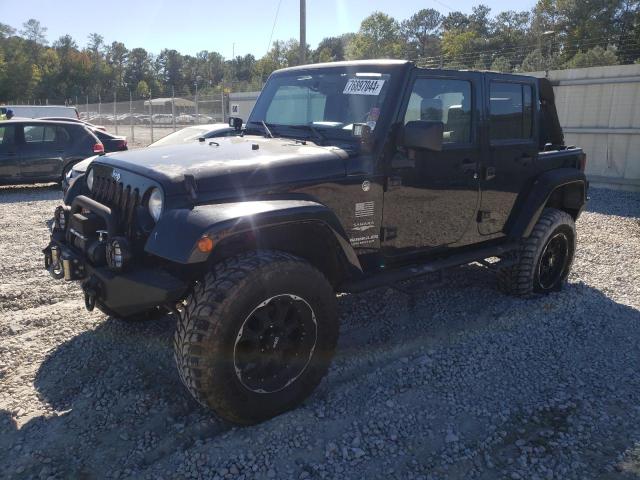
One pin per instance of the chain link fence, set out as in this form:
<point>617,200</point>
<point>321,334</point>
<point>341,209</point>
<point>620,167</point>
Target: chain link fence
<point>145,121</point>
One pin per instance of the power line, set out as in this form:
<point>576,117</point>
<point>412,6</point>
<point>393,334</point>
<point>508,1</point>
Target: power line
<point>274,25</point>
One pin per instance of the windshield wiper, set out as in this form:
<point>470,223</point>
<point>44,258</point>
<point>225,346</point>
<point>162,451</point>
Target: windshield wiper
<point>266,129</point>
<point>312,129</point>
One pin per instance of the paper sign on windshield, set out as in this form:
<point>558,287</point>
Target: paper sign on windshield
<point>358,86</point>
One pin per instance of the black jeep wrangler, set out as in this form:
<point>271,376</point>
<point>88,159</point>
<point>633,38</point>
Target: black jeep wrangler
<point>346,177</point>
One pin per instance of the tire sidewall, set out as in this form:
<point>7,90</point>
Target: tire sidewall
<point>264,283</point>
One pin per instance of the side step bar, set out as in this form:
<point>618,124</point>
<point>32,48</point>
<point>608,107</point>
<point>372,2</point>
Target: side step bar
<point>405,273</point>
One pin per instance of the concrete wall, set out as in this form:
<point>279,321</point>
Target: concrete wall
<point>599,110</point>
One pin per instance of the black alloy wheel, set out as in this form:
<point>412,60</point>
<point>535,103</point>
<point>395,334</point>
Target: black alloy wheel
<point>553,262</point>
<point>275,344</point>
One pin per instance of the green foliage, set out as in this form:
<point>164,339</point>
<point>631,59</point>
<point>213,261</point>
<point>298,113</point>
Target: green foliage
<point>554,34</point>
<point>594,57</point>
<point>378,37</point>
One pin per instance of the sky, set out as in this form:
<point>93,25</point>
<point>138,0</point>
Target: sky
<point>190,26</point>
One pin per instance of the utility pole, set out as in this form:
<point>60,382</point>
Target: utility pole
<point>303,32</point>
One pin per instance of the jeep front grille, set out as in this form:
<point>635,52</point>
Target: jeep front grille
<point>120,198</point>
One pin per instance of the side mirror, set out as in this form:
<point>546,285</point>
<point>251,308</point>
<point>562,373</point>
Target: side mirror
<point>235,123</point>
<point>422,134</point>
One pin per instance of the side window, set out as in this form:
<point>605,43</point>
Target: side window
<point>511,111</point>
<point>62,136</point>
<point>33,133</point>
<point>7,137</point>
<point>442,100</point>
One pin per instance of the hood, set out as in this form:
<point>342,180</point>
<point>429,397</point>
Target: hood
<point>232,163</point>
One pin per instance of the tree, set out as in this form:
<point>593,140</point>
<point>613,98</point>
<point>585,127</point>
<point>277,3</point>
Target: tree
<point>137,69</point>
<point>169,65</point>
<point>536,61</point>
<point>378,37</point>
<point>34,32</point>
<point>330,49</point>
<point>458,47</point>
<point>6,31</point>
<point>594,57</point>
<point>116,58</point>
<point>420,33</point>
<point>142,89</point>
<point>501,64</point>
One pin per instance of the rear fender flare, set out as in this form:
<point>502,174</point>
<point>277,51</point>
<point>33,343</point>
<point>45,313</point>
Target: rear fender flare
<point>521,224</point>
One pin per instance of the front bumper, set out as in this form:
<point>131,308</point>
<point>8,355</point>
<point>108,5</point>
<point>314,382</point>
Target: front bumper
<point>115,293</point>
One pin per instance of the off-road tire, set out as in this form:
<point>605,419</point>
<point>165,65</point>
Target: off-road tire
<point>521,279</point>
<point>212,320</point>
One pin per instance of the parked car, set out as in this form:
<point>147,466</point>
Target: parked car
<point>185,118</point>
<point>162,119</point>
<point>194,133</point>
<point>111,142</point>
<point>39,111</point>
<point>63,119</point>
<point>349,176</point>
<point>43,150</point>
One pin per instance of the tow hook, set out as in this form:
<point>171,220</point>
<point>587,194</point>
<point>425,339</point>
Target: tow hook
<point>52,262</point>
<point>91,291</point>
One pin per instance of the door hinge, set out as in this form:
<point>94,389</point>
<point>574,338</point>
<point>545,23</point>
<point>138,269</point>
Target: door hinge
<point>484,216</point>
<point>388,233</point>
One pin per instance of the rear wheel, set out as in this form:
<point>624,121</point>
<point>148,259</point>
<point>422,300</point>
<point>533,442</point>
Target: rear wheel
<point>543,263</point>
<point>257,335</point>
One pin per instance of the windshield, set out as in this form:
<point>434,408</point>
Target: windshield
<point>321,105</point>
<point>182,136</point>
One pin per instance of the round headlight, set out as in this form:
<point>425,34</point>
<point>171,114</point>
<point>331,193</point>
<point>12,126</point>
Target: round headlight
<point>155,203</point>
<point>90,179</point>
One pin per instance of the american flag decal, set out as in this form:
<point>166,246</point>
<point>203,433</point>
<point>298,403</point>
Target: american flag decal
<point>364,209</point>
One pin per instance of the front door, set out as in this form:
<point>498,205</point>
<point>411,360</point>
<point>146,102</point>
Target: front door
<point>41,156</point>
<point>9,153</point>
<point>432,197</point>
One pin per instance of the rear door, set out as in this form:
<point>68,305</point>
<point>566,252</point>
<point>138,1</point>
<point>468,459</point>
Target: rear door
<point>43,151</point>
<point>512,147</point>
<point>9,153</point>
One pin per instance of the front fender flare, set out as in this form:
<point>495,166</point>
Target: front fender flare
<point>176,234</point>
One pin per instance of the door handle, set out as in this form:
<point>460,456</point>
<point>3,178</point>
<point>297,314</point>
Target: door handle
<point>12,154</point>
<point>470,166</point>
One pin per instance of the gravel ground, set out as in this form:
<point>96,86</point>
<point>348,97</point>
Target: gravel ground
<point>440,378</point>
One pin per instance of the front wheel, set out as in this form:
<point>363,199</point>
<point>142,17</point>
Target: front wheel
<point>544,261</point>
<point>257,335</point>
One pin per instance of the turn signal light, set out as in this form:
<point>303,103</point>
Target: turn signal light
<point>205,244</point>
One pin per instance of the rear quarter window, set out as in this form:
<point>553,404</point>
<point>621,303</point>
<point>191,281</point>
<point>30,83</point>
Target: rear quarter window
<point>511,111</point>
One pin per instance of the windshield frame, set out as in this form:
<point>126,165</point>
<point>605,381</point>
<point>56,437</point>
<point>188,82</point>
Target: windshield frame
<point>397,75</point>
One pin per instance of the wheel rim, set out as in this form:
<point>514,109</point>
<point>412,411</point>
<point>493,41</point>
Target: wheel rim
<point>553,261</point>
<point>275,344</point>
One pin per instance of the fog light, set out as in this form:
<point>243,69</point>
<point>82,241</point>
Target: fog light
<point>118,253</point>
<point>61,217</point>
